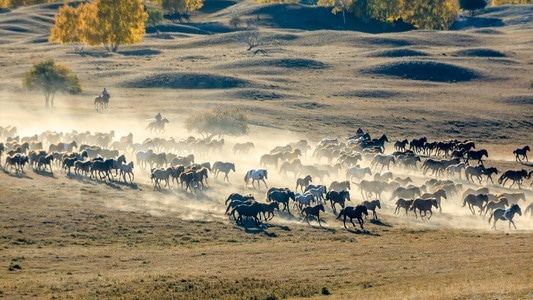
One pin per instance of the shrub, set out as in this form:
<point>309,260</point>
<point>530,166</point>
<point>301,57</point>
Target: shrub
<point>218,121</point>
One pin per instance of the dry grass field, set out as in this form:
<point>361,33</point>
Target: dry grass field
<point>65,236</point>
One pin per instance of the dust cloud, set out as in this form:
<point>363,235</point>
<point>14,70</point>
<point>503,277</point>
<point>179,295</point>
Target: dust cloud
<point>208,205</point>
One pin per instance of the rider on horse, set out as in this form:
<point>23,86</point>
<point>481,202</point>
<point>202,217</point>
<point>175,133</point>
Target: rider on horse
<point>105,94</point>
<point>158,117</point>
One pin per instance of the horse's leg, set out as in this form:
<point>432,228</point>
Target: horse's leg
<point>351,220</point>
<point>430,214</point>
<point>318,218</point>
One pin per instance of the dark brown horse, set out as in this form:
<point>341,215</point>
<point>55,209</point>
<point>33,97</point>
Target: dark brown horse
<point>476,155</point>
<point>424,205</point>
<point>492,205</point>
<point>478,200</point>
<point>303,182</point>
<point>313,211</point>
<point>372,205</point>
<point>405,204</point>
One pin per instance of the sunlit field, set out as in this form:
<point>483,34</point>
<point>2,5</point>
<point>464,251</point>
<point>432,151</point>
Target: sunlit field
<point>69,235</point>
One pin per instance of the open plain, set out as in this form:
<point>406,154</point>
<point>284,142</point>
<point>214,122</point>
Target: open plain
<point>69,236</point>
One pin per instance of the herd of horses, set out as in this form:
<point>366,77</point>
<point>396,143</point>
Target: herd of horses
<point>362,160</point>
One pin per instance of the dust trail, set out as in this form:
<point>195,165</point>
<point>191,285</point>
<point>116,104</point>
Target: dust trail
<point>208,205</point>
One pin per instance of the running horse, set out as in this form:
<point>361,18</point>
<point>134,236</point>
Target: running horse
<point>157,126</point>
<point>354,212</point>
<point>256,175</point>
<point>313,211</point>
<point>521,152</point>
<point>101,102</point>
<point>516,176</point>
<point>505,214</point>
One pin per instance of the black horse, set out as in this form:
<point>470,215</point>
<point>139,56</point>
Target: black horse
<point>335,197</point>
<point>101,102</point>
<point>517,176</point>
<point>282,197</point>
<point>505,214</point>
<point>521,152</point>
<point>251,210</point>
<point>424,205</point>
<point>313,211</point>
<point>476,155</point>
<point>354,212</point>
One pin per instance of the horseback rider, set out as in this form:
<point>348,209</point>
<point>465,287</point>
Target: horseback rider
<point>158,117</point>
<point>105,94</point>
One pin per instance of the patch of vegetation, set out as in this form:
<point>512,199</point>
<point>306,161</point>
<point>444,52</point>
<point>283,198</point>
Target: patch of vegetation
<point>218,121</point>
<point>480,52</point>
<point>215,288</point>
<point>425,70</point>
<point>399,53</point>
<point>187,81</point>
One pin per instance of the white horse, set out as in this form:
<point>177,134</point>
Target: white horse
<point>303,200</point>
<point>224,167</point>
<point>458,168</point>
<point>256,175</point>
<point>127,169</point>
<point>161,174</point>
<point>318,192</point>
<point>357,173</point>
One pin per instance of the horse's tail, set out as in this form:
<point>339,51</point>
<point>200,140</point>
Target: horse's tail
<point>247,177</point>
<point>340,214</point>
<point>500,180</point>
<point>464,202</point>
<point>490,218</point>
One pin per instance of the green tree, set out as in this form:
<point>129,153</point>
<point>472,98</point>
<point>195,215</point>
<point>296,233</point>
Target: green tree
<point>472,5</point>
<point>218,121</point>
<point>155,16</point>
<point>49,77</point>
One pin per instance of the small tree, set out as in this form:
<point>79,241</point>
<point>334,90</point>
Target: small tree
<point>50,78</point>
<point>472,5</point>
<point>338,5</point>
<point>120,22</point>
<point>67,29</point>
<point>155,16</point>
<point>218,121</point>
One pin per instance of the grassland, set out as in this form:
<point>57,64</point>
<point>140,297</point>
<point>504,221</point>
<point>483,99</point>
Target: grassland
<point>64,236</point>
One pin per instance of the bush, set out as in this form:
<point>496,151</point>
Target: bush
<point>155,17</point>
<point>218,121</point>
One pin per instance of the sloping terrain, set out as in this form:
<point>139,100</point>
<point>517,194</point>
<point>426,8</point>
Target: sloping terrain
<point>307,76</point>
